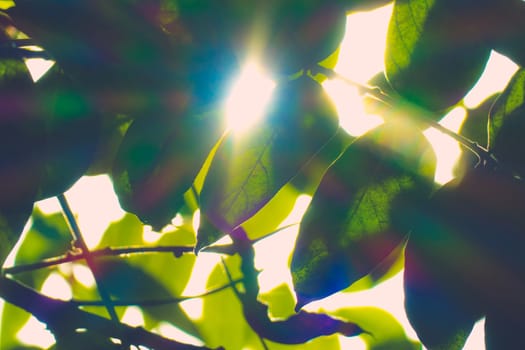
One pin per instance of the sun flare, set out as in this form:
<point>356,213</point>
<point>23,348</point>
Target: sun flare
<point>249,97</point>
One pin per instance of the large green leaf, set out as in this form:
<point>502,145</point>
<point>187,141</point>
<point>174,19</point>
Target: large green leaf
<point>355,219</point>
<point>506,121</point>
<point>158,161</point>
<point>426,60</point>
<point>248,170</point>
<point>510,100</point>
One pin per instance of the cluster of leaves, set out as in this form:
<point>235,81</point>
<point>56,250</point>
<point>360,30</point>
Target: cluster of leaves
<point>136,92</point>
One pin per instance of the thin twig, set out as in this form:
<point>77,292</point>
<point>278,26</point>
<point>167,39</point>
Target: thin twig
<point>240,297</point>
<point>157,302</point>
<point>424,116</point>
<point>80,243</point>
<point>73,256</point>
<point>58,314</point>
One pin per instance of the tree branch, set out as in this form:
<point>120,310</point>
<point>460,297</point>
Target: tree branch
<point>104,252</point>
<point>423,116</point>
<point>58,314</point>
<point>298,328</point>
<point>90,261</point>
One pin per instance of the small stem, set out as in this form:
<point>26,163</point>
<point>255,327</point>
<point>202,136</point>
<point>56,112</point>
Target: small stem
<point>240,297</point>
<point>105,252</point>
<point>80,243</point>
<point>158,302</point>
<point>424,116</point>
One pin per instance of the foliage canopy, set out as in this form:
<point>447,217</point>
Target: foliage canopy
<point>136,92</point>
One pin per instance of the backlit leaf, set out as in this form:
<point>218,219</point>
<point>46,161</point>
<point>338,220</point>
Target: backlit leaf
<point>426,61</point>
<point>354,220</point>
<point>506,121</point>
<point>383,331</point>
<point>248,170</point>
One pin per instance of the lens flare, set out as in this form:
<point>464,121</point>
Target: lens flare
<point>249,97</point>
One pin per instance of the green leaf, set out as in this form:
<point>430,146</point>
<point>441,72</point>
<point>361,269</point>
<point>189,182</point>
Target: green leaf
<point>506,121</point>
<point>426,61</point>
<point>72,132</point>
<point>355,218</point>
<point>125,232</point>
<point>502,334</point>
<point>248,170</point>
<point>266,220</point>
<point>301,33</point>
<point>468,240</point>
<point>158,161</point>
<point>325,342</point>
<point>126,280</point>
<point>383,331</point>
<point>48,236</point>
<point>440,319</point>
<point>234,334</point>
<point>20,142</point>
<point>510,100</point>
<point>116,38</point>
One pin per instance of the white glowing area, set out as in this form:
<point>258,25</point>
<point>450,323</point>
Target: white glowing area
<point>363,47</point>
<point>495,77</point>
<point>349,105</point>
<point>94,203</point>
<point>38,67</point>
<point>447,149</point>
<point>249,97</point>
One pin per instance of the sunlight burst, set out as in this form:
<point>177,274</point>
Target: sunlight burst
<point>248,98</point>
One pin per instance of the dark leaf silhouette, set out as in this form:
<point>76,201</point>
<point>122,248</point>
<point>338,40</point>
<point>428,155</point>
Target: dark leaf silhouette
<point>502,334</point>
<point>20,139</point>
<point>158,161</point>
<point>350,225</point>
<point>128,282</point>
<point>439,318</point>
<point>469,240</point>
